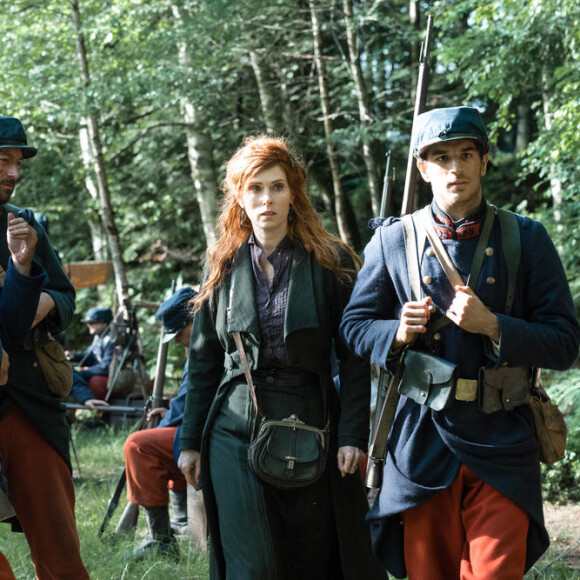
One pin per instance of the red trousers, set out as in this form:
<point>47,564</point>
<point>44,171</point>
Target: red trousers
<point>151,467</point>
<point>468,531</point>
<point>40,489</point>
<point>6,572</point>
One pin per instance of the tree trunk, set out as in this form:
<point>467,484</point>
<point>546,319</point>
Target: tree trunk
<point>199,152</point>
<point>363,109</point>
<point>98,236</point>
<point>98,162</point>
<point>339,201</point>
<point>269,100</point>
<point>523,126</point>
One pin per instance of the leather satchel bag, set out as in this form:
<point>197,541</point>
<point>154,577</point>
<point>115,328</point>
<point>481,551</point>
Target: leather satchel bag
<point>57,370</point>
<point>551,430</point>
<point>428,380</point>
<point>285,453</point>
<point>288,453</point>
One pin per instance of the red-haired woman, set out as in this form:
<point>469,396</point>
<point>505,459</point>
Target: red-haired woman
<point>280,279</point>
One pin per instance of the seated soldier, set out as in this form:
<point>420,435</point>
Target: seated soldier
<point>151,465</point>
<point>91,374</point>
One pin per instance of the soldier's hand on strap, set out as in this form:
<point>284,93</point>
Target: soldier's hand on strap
<point>414,318</point>
<point>21,238</point>
<point>472,315</point>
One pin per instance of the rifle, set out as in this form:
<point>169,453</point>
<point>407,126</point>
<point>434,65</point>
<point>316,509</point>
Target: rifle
<point>388,387</point>
<point>128,519</point>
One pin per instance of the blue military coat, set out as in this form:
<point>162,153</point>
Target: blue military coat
<point>426,448</point>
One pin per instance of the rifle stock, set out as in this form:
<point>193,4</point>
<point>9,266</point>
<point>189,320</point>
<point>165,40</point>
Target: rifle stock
<point>388,387</point>
<point>128,519</point>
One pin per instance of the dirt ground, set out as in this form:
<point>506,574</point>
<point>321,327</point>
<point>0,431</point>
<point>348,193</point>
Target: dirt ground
<point>563,525</point>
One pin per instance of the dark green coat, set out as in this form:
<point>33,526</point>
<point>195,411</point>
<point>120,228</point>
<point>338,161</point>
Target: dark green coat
<point>316,300</point>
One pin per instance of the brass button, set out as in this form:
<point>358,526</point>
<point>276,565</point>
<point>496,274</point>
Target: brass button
<point>504,364</point>
<point>430,252</point>
<point>490,280</point>
<point>427,280</point>
<point>489,251</point>
<point>437,336</point>
<point>35,364</point>
<point>432,308</point>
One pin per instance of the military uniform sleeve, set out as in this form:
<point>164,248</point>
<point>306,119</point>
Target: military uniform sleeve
<point>371,318</point>
<point>58,286</point>
<point>206,365</point>
<point>19,300</point>
<point>355,383</point>
<point>544,331</point>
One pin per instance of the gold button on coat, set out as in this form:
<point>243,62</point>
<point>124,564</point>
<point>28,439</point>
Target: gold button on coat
<point>491,280</point>
<point>489,251</point>
<point>430,252</point>
<point>436,336</point>
<point>426,279</point>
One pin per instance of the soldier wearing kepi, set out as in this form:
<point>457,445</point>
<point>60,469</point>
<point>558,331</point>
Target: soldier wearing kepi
<point>95,360</point>
<point>34,433</point>
<point>463,481</point>
<point>150,460</point>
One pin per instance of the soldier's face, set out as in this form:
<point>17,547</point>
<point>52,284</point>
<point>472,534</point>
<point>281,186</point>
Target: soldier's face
<point>10,160</point>
<point>454,169</point>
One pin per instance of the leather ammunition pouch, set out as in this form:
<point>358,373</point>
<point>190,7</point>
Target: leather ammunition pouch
<point>504,388</point>
<point>428,380</point>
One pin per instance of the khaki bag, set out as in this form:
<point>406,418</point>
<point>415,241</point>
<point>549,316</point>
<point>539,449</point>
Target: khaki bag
<point>551,430</point>
<point>57,370</point>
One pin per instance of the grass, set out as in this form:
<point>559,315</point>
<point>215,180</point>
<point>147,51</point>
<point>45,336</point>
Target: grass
<point>100,463</point>
<point>96,473</point>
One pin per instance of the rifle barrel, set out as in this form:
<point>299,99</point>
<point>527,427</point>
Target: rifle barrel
<point>420,104</point>
<point>109,409</point>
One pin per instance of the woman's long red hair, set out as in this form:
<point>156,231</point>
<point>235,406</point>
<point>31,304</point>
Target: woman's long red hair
<point>255,155</point>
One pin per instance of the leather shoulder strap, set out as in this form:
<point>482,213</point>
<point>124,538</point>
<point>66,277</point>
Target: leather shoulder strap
<point>511,244</point>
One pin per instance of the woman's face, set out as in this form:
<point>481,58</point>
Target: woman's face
<point>266,200</point>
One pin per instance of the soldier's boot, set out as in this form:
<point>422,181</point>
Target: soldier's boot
<point>160,540</point>
<point>178,511</point>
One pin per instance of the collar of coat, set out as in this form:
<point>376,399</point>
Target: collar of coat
<point>301,310</point>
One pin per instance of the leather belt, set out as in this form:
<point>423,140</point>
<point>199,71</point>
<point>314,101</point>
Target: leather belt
<point>466,389</point>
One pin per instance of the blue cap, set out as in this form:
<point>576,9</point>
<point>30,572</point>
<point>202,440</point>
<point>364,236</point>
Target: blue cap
<point>98,315</point>
<point>448,124</point>
<point>12,136</point>
<point>175,313</point>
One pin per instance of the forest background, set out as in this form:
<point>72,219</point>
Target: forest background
<point>139,103</point>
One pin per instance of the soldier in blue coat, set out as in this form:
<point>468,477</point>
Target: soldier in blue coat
<point>461,491</point>
<point>34,433</point>
<point>95,360</point>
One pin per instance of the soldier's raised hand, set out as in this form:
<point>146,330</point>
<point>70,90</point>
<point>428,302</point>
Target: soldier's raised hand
<point>21,238</point>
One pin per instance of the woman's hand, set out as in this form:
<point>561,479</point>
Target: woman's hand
<point>190,464</point>
<point>348,459</point>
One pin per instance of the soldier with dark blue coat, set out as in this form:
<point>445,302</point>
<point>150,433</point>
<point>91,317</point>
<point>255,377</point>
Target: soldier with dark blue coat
<point>34,433</point>
<point>95,360</point>
<point>461,491</point>
<point>152,473</point>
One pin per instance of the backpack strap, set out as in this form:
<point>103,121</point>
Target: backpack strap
<point>511,244</point>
